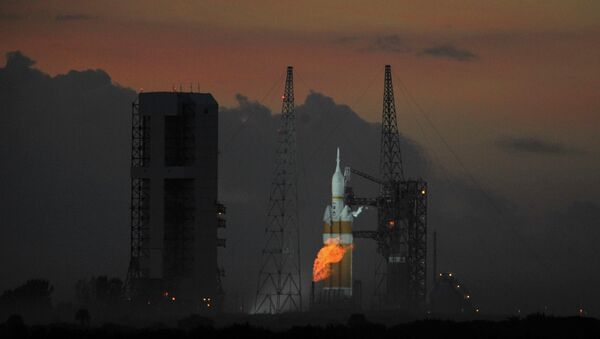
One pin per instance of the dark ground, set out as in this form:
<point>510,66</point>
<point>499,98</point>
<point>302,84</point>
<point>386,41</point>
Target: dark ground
<point>356,326</point>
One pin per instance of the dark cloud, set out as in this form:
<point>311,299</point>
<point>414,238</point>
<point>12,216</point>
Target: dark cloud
<point>449,52</point>
<point>15,60</point>
<point>532,145</point>
<point>388,43</point>
<point>63,141</point>
<point>74,17</point>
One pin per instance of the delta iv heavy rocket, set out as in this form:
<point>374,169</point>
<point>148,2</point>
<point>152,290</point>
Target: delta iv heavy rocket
<point>337,229</point>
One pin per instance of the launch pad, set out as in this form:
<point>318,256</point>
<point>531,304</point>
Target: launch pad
<point>401,231</point>
<point>174,244</point>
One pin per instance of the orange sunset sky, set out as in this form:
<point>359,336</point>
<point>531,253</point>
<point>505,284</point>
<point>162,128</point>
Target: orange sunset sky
<point>481,70</point>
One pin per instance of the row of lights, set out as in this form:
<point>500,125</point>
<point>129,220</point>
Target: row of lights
<point>206,300</point>
<point>466,296</point>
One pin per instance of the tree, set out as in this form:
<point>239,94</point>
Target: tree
<point>31,300</point>
<point>83,317</point>
<point>99,291</point>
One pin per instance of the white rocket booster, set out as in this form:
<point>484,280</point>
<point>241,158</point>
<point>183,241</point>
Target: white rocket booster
<point>337,223</point>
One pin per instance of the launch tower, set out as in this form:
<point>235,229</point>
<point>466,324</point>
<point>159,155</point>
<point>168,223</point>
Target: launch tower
<point>401,232</point>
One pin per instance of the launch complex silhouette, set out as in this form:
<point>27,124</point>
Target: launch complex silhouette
<point>175,217</point>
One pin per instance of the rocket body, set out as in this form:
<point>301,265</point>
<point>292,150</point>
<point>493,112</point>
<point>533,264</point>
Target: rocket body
<point>337,227</point>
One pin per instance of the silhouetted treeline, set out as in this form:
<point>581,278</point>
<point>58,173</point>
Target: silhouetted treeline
<point>535,326</point>
<point>99,291</point>
<point>99,297</point>
<point>32,299</point>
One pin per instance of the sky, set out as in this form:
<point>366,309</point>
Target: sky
<point>482,70</point>
<point>498,96</point>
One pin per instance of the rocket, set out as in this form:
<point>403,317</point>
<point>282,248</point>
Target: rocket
<point>337,228</point>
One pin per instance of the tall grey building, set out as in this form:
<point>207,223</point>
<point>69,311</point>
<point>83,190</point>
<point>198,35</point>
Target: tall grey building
<point>175,214</point>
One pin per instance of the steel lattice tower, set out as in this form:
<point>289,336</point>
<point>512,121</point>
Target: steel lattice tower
<point>279,277</point>
<point>390,161</point>
<point>402,211</point>
<point>139,198</point>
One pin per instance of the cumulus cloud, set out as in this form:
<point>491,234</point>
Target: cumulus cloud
<point>449,52</point>
<point>15,60</point>
<point>64,144</point>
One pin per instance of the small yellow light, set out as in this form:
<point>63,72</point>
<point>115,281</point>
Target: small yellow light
<point>423,192</point>
<point>468,296</point>
<point>449,274</point>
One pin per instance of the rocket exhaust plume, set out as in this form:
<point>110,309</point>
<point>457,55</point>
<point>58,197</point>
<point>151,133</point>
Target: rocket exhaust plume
<point>331,253</point>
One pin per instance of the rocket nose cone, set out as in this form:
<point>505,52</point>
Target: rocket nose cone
<point>337,181</point>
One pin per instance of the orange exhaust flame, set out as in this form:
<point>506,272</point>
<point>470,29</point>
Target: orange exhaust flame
<point>331,253</point>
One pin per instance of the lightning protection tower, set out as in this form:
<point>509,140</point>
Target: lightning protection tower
<point>279,277</point>
<point>402,224</point>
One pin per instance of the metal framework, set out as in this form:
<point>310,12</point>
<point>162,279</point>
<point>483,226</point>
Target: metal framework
<point>401,232</point>
<point>279,277</point>
<point>390,160</point>
<point>140,195</point>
